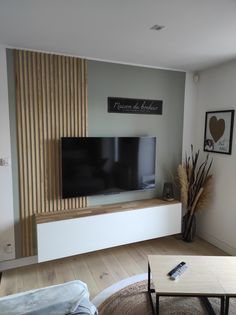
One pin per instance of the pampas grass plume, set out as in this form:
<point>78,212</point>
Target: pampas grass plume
<point>183,181</point>
<point>205,196</point>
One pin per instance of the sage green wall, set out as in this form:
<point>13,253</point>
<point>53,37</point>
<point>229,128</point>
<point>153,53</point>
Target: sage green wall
<point>109,79</point>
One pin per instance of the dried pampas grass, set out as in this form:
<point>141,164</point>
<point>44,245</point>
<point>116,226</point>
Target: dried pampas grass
<point>184,185</point>
<point>195,185</point>
<point>206,194</point>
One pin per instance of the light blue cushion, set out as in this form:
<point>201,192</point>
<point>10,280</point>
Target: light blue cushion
<point>67,298</point>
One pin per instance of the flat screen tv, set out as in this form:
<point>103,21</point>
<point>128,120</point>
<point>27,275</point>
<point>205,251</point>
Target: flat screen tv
<point>107,165</point>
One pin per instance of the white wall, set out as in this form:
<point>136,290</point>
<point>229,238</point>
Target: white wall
<point>6,195</point>
<point>216,90</point>
<point>190,100</point>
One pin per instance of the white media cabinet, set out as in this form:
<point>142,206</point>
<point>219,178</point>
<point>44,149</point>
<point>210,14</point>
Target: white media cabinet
<point>73,232</point>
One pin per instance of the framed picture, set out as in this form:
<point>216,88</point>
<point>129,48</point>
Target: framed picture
<point>219,131</point>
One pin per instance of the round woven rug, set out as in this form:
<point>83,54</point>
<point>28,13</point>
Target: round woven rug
<point>133,299</point>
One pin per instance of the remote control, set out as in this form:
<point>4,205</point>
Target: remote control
<point>178,273</point>
<point>176,268</point>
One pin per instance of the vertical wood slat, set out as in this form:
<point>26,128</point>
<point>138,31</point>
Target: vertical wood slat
<point>19,140</point>
<point>48,139</point>
<point>57,131</point>
<point>52,127</point>
<point>64,105</point>
<point>75,108</point>
<point>27,141</point>
<point>44,132</point>
<point>36,130</point>
<point>31,131</point>
<point>25,226</point>
<point>41,129</point>
<point>72,112</point>
<point>51,102</point>
<point>60,103</point>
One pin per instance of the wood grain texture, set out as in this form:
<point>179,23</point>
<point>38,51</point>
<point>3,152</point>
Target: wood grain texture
<point>101,209</point>
<point>102,268</point>
<point>211,275</point>
<point>51,102</point>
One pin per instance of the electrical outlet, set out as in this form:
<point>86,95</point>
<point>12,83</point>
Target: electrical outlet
<point>8,248</point>
<point>7,251</point>
<point>4,161</point>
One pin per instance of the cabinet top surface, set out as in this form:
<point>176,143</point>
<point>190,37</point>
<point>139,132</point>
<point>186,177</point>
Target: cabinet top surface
<point>101,209</point>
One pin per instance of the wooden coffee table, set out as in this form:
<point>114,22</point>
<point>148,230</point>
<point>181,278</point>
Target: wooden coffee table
<point>206,276</point>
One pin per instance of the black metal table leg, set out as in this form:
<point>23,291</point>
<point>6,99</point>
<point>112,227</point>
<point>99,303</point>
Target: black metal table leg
<point>207,305</point>
<point>227,305</point>
<point>149,278</point>
<point>150,291</point>
<point>222,305</point>
<point>157,304</point>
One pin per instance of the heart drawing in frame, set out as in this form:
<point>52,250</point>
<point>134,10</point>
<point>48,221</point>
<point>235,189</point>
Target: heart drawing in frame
<point>217,128</point>
<point>219,131</point>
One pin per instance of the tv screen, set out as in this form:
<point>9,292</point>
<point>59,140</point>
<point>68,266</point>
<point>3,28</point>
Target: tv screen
<point>95,165</point>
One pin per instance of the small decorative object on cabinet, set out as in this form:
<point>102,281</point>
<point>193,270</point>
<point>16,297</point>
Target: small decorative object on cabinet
<point>168,192</point>
<point>195,186</point>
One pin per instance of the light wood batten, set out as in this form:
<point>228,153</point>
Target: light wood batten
<point>51,102</point>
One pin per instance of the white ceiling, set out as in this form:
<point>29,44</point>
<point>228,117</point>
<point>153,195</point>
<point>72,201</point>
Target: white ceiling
<point>197,34</point>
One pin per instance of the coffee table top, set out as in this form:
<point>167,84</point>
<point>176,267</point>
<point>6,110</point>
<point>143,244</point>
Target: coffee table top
<point>206,275</point>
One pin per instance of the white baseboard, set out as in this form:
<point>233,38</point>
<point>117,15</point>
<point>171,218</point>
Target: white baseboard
<point>218,243</point>
<point>16,263</point>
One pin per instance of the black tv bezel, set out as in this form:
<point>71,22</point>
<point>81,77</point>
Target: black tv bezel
<point>110,193</point>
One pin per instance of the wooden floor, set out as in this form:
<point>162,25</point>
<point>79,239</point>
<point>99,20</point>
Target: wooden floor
<point>100,269</point>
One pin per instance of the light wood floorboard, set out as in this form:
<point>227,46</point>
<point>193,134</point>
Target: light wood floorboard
<point>102,268</point>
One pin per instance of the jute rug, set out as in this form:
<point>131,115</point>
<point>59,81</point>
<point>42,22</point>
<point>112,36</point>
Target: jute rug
<point>133,300</point>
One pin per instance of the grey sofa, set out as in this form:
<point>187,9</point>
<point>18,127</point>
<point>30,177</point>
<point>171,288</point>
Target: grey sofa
<point>62,299</point>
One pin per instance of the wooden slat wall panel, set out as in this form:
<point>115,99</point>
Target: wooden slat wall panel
<point>51,102</point>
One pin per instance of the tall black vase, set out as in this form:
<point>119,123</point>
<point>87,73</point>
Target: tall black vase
<point>188,228</point>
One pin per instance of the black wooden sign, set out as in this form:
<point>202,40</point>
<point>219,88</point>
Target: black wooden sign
<point>134,106</point>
